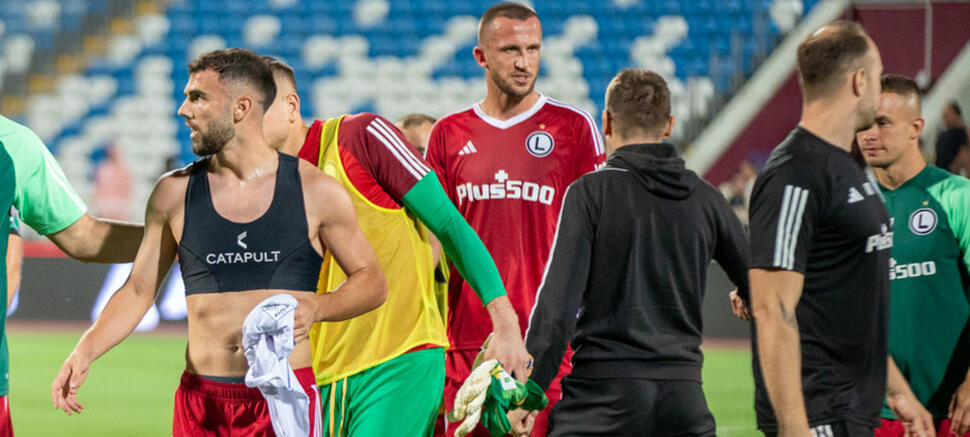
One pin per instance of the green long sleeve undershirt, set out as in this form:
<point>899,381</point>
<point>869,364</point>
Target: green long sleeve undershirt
<point>428,201</point>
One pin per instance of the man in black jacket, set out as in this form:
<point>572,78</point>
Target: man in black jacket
<point>626,276</point>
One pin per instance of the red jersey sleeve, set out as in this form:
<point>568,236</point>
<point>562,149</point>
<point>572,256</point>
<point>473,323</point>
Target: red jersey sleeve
<point>383,152</point>
<point>590,147</point>
<point>435,152</point>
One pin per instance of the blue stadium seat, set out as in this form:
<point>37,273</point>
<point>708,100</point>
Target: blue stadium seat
<point>410,22</point>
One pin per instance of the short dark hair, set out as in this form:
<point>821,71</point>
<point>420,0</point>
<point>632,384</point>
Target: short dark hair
<point>239,65</point>
<point>415,119</point>
<point>955,107</point>
<point>639,102</point>
<point>512,10</point>
<point>901,85</point>
<point>277,66</point>
<point>826,56</point>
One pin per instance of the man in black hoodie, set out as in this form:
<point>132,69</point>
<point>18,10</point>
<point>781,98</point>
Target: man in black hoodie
<point>626,276</point>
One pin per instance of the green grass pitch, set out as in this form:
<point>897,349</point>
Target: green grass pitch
<point>129,391</point>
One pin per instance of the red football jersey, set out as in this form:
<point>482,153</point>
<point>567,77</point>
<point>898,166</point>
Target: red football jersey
<point>507,178</point>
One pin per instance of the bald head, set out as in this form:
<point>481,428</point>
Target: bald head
<point>510,10</point>
<point>827,58</point>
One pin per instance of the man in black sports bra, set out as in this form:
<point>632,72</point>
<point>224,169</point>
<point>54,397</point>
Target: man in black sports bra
<point>243,233</point>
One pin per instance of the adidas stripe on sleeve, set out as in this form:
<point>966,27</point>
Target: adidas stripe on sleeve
<point>383,151</point>
<point>783,218</point>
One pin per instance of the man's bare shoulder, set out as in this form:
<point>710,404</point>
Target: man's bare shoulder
<point>169,192</point>
<point>323,195</point>
<point>315,181</point>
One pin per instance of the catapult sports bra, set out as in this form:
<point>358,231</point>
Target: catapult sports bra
<point>271,252</point>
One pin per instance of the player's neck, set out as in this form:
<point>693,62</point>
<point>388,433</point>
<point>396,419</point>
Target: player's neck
<point>296,138</point>
<point>246,156</point>
<point>904,169</point>
<point>827,120</point>
<point>502,106</point>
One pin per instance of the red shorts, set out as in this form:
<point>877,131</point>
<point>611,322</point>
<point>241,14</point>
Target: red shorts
<point>894,428</point>
<point>6,426</point>
<point>457,368</point>
<point>210,409</point>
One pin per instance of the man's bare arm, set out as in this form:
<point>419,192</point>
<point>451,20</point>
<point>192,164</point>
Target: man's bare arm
<point>365,287</point>
<point>15,259</point>
<point>435,248</point>
<point>92,239</point>
<point>127,307</point>
<point>916,420</point>
<point>774,295</point>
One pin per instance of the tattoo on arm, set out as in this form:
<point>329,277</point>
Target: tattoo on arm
<point>787,316</point>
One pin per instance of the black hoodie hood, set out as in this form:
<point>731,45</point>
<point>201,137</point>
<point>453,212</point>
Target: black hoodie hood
<point>658,168</point>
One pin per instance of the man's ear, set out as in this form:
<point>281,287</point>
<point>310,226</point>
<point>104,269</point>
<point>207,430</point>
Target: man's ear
<point>918,126</point>
<point>669,127</point>
<point>241,108</point>
<point>292,107</point>
<point>860,79</point>
<point>479,55</point>
<point>607,123</point>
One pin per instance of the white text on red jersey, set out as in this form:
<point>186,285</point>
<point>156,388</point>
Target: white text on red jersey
<point>506,188</point>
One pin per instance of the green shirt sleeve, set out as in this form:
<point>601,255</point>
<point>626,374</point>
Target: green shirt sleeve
<point>954,197</point>
<point>466,251</point>
<point>43,196</point>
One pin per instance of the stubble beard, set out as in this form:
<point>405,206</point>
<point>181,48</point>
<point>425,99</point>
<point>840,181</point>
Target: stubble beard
<point>507,87</point>
<point>214,141</point>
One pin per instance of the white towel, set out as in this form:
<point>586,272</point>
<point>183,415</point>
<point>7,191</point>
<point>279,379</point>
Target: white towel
<point>267,344</point>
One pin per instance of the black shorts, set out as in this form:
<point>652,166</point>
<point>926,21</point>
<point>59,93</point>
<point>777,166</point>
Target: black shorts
<point>630,407</point>
<point>837,429</point>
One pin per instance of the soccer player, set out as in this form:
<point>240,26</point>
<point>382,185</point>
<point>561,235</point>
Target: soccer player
<point>506,162</point>
<point>636,278</point>
<point>417,129</point>
<point>928,310</point>
<point>34,184</point>
<point>383,373</point>
<point>243,231</point>
<point>820,240</point>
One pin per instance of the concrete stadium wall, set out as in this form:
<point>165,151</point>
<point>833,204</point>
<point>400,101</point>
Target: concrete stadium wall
<point>899,29</point>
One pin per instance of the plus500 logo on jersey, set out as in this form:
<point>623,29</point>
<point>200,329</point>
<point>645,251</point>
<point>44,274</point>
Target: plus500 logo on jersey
<point>506,189</point>
<point>911,270</point>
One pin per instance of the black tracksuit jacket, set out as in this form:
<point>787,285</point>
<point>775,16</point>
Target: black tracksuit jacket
<point>626,275</point>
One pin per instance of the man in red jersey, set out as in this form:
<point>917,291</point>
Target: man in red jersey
<point>388,367</point>
<point>506,162</point>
